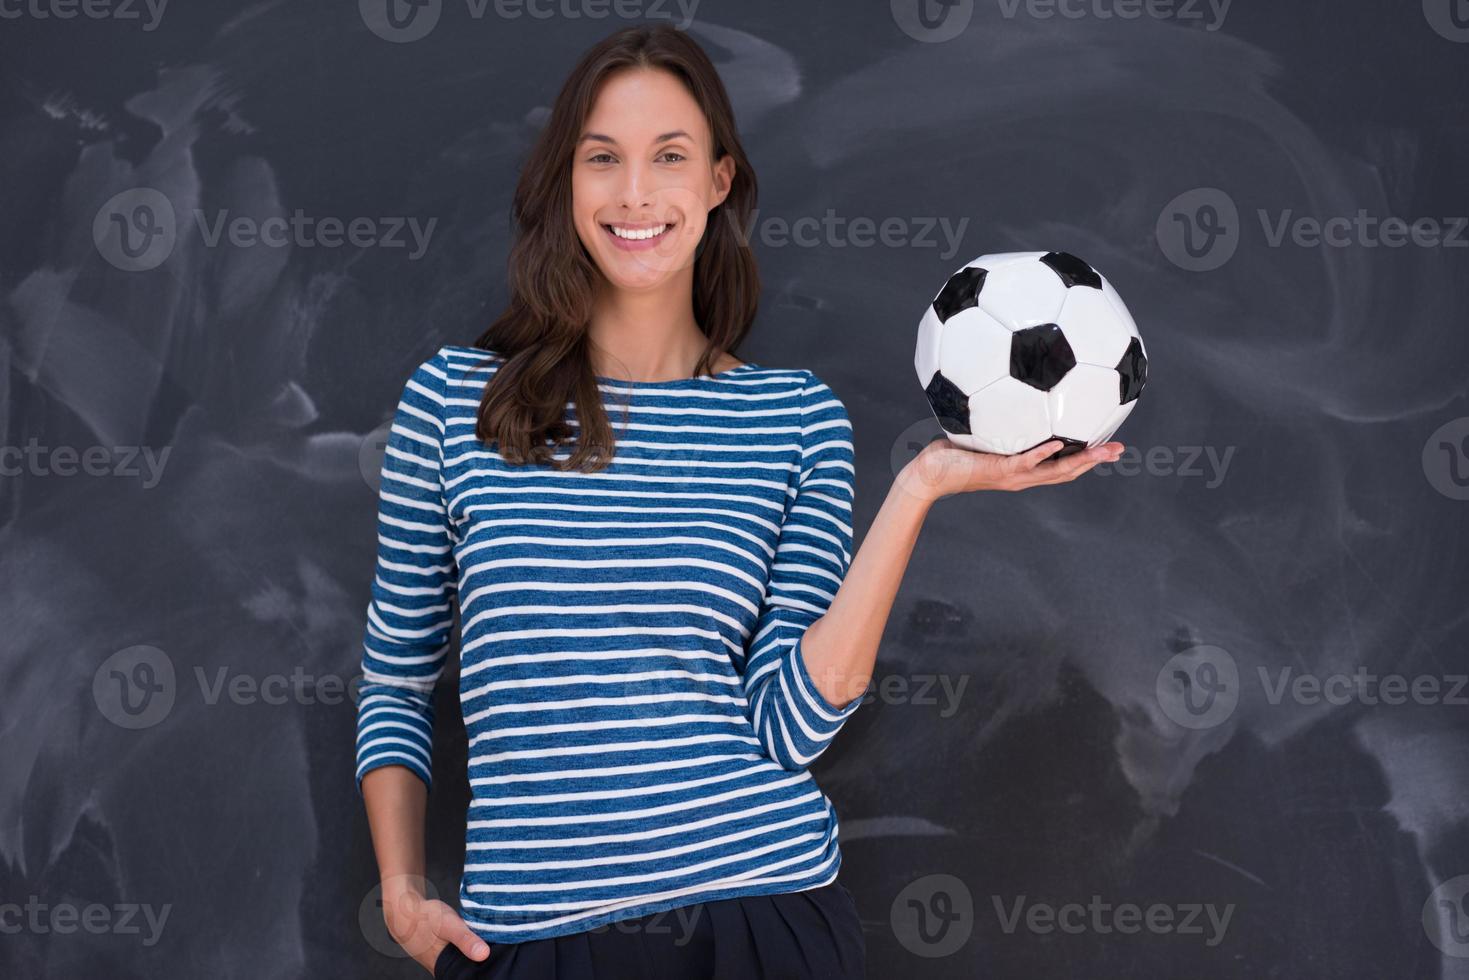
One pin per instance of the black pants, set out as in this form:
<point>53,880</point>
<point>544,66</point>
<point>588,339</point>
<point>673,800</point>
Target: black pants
<point>806,935</point>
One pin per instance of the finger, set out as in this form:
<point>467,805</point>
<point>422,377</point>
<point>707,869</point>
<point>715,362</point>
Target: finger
<point>1086,459</point>
<point>1030,468</point>
<point>1064,471</point>
<point>469,944</point>
<point>1070,474</point>
<point>1030,459</point>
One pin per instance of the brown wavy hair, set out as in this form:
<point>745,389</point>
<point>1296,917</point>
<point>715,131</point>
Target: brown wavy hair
<point>542,334</point>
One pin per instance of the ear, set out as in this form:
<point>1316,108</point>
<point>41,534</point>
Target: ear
<point>723,179</point>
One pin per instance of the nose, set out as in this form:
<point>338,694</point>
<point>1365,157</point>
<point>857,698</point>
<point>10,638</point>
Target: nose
<point>636,192</point>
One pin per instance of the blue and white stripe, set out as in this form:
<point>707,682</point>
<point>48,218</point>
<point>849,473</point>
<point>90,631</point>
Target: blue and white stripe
<point>639,714</point>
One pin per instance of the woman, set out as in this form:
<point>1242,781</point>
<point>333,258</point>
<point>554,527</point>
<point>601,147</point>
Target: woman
<point>662,630</point>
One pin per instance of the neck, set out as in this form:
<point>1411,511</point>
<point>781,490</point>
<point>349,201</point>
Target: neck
<point>645,336</point>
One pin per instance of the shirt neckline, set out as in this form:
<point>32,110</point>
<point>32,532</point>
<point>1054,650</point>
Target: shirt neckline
<point>747,366</point>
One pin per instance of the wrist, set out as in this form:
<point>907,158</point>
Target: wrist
<point>912,494</point>
<point>406,886</point>
<point>915,487</point>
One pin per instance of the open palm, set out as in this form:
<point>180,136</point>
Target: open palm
<point>943,468</point>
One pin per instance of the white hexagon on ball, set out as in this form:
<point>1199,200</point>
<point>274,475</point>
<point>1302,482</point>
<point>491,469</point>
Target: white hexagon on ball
<point>1096,333</point>
<point>1082,403</point>
<point>1007,417</point>
<point>1023,294</point>
<point>975,347</point>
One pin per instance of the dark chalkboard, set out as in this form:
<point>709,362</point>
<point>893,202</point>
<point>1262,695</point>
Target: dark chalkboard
<point>1198,714</point>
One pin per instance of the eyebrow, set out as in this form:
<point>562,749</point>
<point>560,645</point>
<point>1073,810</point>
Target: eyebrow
<point>599,137</point>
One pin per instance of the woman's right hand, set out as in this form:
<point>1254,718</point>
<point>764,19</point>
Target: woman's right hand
<point>424,926</point>
<point>943,468</point>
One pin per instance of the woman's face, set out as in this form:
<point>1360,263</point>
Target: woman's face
<point>643,166</point>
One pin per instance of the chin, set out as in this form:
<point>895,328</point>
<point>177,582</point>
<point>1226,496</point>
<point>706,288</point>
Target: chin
<point>624,273</point>
<point>638,285</point>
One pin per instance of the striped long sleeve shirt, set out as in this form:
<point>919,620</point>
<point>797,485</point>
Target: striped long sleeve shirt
<point>639,713</point>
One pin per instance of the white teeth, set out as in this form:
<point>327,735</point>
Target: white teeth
<point>637,236</point>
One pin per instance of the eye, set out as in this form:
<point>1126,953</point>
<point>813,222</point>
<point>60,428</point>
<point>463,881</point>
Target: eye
<point>674,153</point>
<point>594,157</point>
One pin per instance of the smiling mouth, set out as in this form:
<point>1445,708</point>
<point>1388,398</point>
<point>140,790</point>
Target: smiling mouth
<point>644,233</point>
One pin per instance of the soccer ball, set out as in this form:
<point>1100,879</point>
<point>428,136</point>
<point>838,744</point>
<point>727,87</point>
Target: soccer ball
<point>1023,347</point>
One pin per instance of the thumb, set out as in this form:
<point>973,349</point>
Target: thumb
<point>469,944</point>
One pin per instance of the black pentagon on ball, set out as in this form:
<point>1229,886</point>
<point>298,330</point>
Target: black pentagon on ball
<point>1134,371</point>
<point>950,405</point>
<point>1040,356</point>
<point>961,292</point>
<point>1073,271</point>
<point>1068,447</point>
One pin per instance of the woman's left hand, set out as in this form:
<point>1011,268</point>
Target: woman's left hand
<point>943,468</point>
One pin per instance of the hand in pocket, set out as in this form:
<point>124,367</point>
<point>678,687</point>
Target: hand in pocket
<point>425,926</point>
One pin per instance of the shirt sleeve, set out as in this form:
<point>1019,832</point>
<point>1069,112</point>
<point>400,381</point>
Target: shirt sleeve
<point>410,616</point>
<point>793,721</point>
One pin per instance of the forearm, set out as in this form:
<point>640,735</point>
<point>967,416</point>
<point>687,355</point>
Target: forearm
<point>841,647</point>
<point>396,800</point>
